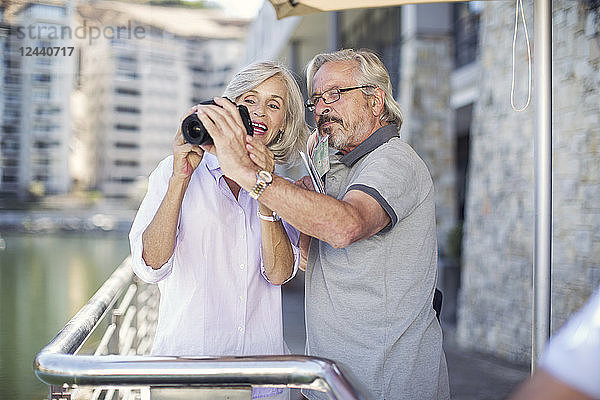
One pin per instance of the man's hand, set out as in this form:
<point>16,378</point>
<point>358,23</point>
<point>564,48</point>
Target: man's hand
<point>305,183</point>
<point>260,154</point>
<point>224,124</point>
<point>186,156</point>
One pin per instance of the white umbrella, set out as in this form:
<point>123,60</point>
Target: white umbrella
<point>543,141</point>
<point>286,8</point>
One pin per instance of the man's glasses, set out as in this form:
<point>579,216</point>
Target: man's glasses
<point>330,96</point>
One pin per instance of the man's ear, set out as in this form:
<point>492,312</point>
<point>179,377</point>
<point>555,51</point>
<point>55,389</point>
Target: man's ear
<point>377,101</point>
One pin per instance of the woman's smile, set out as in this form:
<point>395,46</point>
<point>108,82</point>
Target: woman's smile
<point>259,128</point>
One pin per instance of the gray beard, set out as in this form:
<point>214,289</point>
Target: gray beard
<point>339,141</point>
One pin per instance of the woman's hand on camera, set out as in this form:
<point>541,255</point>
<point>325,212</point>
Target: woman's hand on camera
<point>186,156</point>
<point>260,154</point>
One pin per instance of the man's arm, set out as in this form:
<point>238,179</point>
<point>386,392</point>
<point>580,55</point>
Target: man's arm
<point>338,222</point>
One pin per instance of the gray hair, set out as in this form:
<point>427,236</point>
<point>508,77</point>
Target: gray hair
<point>284,146</point>
<point>370,71</point>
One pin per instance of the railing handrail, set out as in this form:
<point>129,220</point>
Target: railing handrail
<point>79,328</point>
<point>57,364</point>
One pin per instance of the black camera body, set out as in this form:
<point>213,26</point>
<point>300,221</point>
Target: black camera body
<point>194,131</point>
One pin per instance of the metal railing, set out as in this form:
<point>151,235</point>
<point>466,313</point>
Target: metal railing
<point>128,338</point>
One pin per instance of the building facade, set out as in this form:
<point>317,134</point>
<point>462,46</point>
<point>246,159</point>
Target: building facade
<point>136,88</point>
<point>4,29</point>
<point>451,65</point>
<point>36,129</point>
<point>93,92</point>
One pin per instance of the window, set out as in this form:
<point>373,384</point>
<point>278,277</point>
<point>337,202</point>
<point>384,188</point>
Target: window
<point>126,163</point>
<point>198,68</point>
<point>43,60</point>
<point>10,78</point>
<point>126,109</point>
<point>123,179</point>
<point>48,110</point>
<point>10,129</point>
<point>45,145</point>
<point>123,145</point>
<point>126,59</point>
<point>41,77</point>
<point>47,11</point>
<point>8,144</point>
<point>466,33</point>
<point>126,74</point>
<point>123,127</point>
<point>41,94</point>
<point>44,128</point>
<point>128,92</point>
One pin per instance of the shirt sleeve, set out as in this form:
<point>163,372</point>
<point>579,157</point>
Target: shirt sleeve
<point>396,177</point>
<point>573,353</point>
<point>294,236</point>
<point>157,188</point>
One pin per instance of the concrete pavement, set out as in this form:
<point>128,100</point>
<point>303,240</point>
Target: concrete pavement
<point>473,376</point>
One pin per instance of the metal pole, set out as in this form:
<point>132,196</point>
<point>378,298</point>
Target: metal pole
<point>333,36</point>
<point>543,177</point>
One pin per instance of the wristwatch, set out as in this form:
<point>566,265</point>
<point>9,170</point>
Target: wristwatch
<point>263,179</point>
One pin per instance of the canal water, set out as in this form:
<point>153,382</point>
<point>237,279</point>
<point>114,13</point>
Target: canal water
<point>44,280</point>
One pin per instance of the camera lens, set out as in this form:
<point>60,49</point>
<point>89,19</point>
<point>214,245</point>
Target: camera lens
<point>194,131</point>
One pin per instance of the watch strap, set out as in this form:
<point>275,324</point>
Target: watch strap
<point>257,190</point>
<point>261,184</point>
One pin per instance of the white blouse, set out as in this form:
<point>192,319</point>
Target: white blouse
<point>214,299</point>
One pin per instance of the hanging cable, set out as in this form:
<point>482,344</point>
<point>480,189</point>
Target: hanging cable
<point>519,6</point>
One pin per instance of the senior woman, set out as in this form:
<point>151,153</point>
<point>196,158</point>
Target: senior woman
<point>217,254</point>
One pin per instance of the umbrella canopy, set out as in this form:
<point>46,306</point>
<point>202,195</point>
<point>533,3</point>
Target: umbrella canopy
<point>286,8</point>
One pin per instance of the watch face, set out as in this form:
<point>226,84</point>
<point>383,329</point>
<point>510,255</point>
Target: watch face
<point>265,176</point>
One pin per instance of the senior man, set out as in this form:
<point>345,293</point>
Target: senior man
<point>372,264</point>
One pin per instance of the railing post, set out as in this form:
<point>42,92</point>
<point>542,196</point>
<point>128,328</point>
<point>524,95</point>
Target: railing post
<point>113,343</point>
<point>59,392</point>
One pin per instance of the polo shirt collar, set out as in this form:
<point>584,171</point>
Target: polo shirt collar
<point>379,137</point>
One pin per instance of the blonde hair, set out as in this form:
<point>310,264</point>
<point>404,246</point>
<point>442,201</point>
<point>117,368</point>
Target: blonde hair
<point>285,145</point>
<point>370,71</point>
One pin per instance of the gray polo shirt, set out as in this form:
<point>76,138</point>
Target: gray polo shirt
<point>369,305</point>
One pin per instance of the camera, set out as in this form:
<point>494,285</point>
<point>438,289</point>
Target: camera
<point>194,131</point>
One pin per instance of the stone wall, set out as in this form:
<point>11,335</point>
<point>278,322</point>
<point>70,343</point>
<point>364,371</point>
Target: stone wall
<point>428,125</point>
<point>496,290</point>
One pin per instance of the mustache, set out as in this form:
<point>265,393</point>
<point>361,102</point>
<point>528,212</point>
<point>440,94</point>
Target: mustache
<point>328,118</point>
